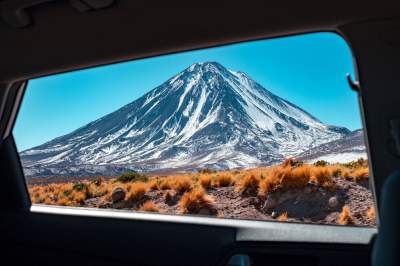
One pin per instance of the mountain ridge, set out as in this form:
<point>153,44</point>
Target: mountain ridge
<point>342,150</point>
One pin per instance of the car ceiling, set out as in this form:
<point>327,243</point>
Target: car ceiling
<point>61,38</point>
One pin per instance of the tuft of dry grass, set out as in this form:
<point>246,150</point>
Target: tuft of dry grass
<point>195,200</point>
<point>321,176</point>
<point>165,184</point>
<point>334,170</point>
<point>249,184</point>
<point>127,187</point>
<point>371,213</point>
<point>345,217</point>
<point>101,190</point>
<point>205,181</point>
<point>182,184</point>
<point>353,174</point>
<point>283,217</point>
<point>78,197</point>
<point>98,181</point>
<point>153,184</point>
<point>40,199</point>
<point>345,173</point>
<point>296,178</point>
<point>48,201</point>
<point>224,180</point>
<point>284,178</point>
<point>63,202</point>
<point>271,182</point>
<point>356,164</point>
<point>149,206</point>
<point>291,162</point>
<point>138,190</point>
<point>360,174</point>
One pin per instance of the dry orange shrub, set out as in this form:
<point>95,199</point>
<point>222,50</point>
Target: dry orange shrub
<point>48,201</point>
<point>285,178</point>
<point>166,183</point>
<point>290,162</point>
<point>223,180</point>
<point>103,189</point>
<point>283,217</point>
<point>182,184</point>
<point>371,213</point>
<point>354,173</point>
<point>345,173</point>
<point>41,198</point>
<point>126,186</point>
<point>49,194</point>
<point>271,182</point>
<point>78,197</point>
<point>149,206</point>
<point>138,190</point>
<point>248,184</point>
<point>298,178</point>
<point>345,217</point>
<point>360,174</point>
<point>153,184</point>
<point>63,202</point>
<point>195,200</point>
<point>321,176</point>
<point>334,170</point>
<point>205,181</point>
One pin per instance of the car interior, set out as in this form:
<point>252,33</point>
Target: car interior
<point>44,37</point>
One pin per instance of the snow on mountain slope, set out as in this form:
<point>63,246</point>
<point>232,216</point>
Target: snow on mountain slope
<point>205,116</point>
<point>350,147</point>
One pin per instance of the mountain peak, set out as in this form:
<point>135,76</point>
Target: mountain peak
<point>209,66</point>
<point>200,72</point>
<point>207,63</point>
<point>205,116</point>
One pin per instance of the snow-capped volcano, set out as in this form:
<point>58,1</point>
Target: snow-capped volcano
<point>205,116</point>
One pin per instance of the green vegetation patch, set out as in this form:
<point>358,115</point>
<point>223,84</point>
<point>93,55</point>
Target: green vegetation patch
<point>80,186</point>
<point>132,177</point>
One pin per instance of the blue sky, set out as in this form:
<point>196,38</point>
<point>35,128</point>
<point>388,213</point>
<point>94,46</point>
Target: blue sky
<point>308,70</point>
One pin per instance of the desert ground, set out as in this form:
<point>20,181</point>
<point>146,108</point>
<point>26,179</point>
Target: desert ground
<point>292,191</point>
